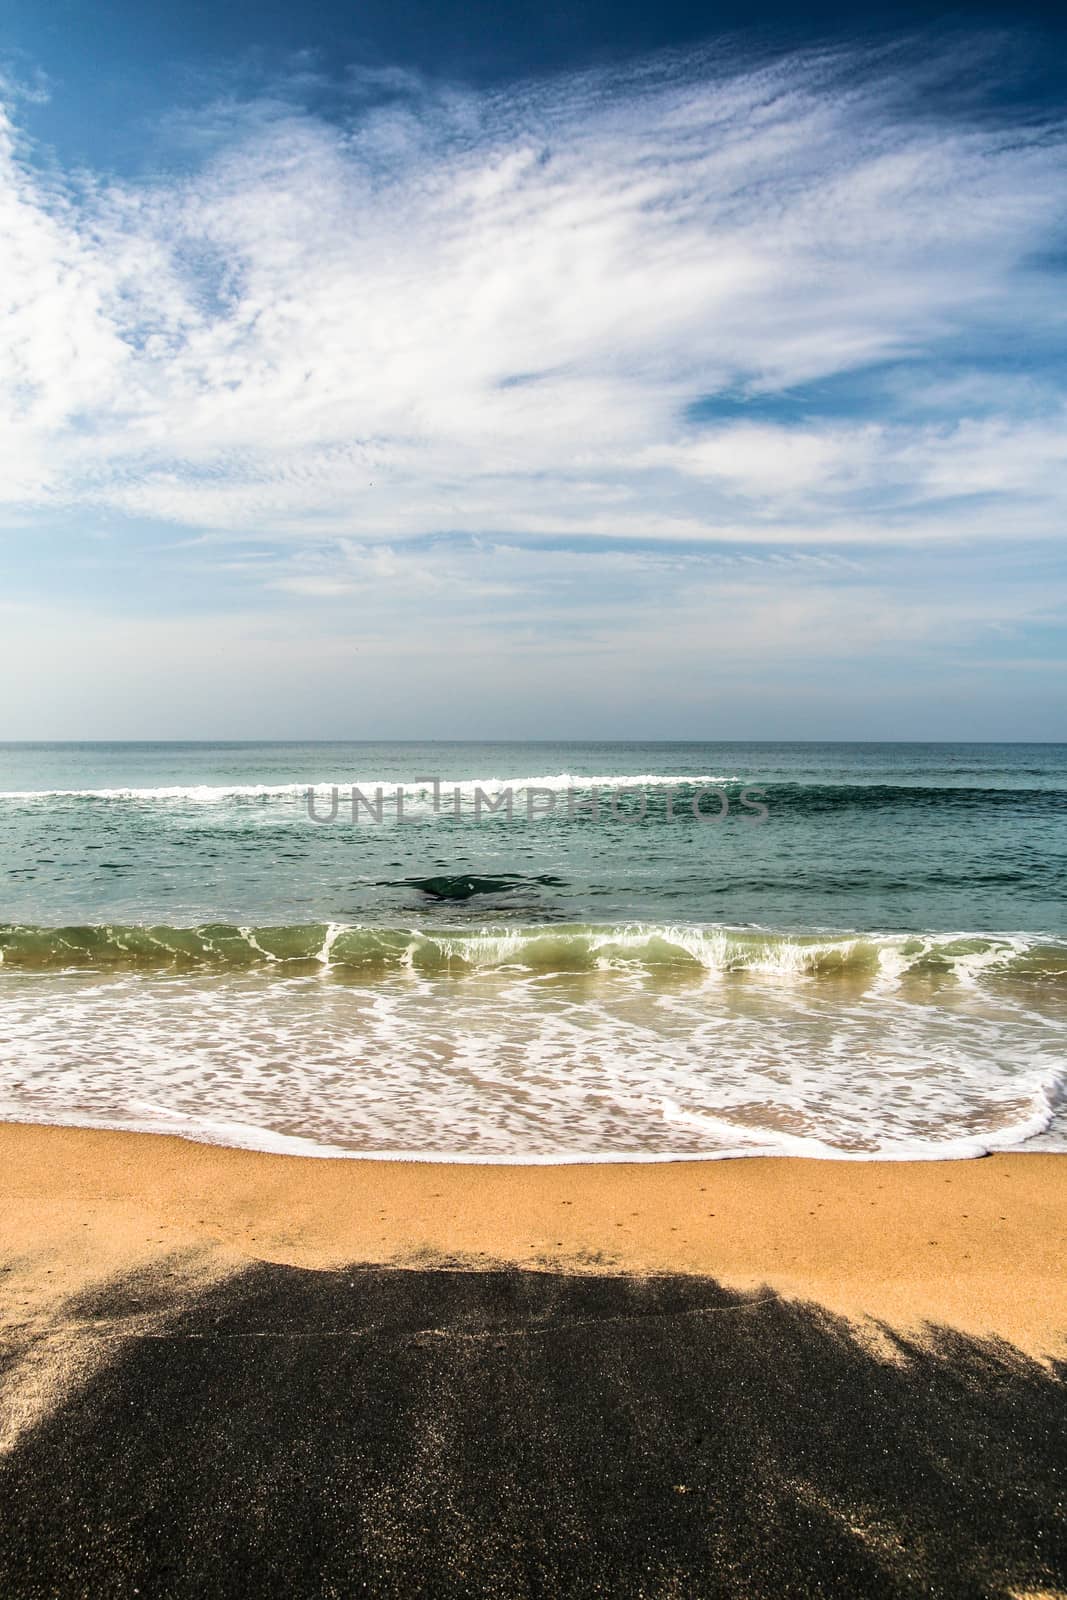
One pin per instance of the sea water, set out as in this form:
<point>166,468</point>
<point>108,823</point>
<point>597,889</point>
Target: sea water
<point>539,952</point>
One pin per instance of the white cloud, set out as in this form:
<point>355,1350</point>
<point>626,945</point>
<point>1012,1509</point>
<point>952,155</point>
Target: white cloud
<point>488,314</point>
<point>779,644</point>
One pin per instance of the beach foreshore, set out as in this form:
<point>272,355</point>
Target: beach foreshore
<point>224,1372</point>
<point>974,1245</point>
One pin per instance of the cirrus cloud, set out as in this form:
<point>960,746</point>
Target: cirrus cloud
<point>494,313</point>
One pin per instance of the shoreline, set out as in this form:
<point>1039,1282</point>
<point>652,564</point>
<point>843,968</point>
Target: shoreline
<point>976,1245</point>
<point>293,1145</point>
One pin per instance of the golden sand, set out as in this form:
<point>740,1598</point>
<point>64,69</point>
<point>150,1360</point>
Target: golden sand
<point>974,1245</point>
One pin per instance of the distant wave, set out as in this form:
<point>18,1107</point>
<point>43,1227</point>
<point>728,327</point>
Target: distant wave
<point>781,799</point>
<point>812,799</point>
<point>208,794</point>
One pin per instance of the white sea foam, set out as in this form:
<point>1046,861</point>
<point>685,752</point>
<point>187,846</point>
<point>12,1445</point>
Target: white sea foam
<point>214,794</point>
<point>507,1063</point>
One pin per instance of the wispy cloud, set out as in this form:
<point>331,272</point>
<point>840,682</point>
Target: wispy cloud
<point>491,312</point>
<point>597,370</point>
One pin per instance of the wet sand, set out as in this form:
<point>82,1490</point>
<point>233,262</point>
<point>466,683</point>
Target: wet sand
<point>224,1372</point>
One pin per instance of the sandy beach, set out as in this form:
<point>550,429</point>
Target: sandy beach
<point>977,1246</point>
<point>735,1377</point>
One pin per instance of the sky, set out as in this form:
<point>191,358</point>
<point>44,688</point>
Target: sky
<point>486,371</point>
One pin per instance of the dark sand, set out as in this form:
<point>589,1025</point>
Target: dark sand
<point>405,1433</point>
<point>179,1418</point>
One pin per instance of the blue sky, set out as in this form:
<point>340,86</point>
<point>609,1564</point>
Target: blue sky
<point>473,371</point>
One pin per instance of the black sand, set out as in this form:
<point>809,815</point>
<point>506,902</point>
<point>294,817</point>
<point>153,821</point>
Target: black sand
<point>432,1433</point>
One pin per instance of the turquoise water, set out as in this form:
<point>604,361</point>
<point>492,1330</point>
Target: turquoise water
<point>871,837</point>
<point>866,953</point>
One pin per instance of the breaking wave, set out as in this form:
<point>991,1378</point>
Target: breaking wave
<point>887,958</point>
<point>213,794</point>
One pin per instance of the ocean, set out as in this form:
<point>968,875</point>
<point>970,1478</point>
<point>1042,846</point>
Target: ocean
<point>539,952</point>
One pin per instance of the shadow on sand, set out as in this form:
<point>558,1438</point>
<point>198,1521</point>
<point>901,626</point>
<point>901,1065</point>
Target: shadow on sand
<point>437,1433</point>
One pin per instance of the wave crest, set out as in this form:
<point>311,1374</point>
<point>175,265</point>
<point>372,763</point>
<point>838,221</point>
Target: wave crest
<point>886,958</point>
